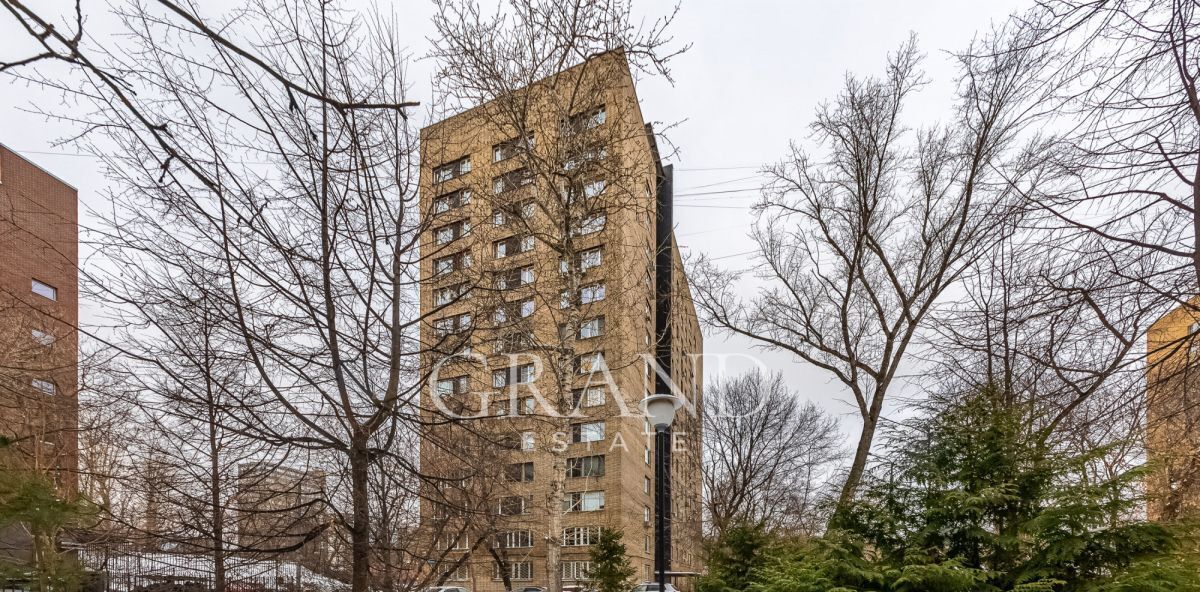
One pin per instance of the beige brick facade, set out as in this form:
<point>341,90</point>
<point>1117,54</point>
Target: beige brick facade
<point>1173,414</point>
<point>498,250</point>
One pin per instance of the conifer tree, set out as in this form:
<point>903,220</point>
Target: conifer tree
<point>611,570</point>
<point>968,501</point>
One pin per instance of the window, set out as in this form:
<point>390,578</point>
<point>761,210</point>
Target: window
<point>590,225</point>
<point>457,261</point>
<point>646,514</point>
<point>45,290</point>
<point>509,213</point>
<point>510,148</point>
<point>514,278</point>
<point>580,536</point>
<point>44,385</point>
<point>519,472</point>
<point>585,260</point>
<point>647,455</point>
<point>591,328</point>
<point>576,570</point>
<point>586,120</point>
<point>590,258</point>
<point>590,363</point>
<point>646,485</point>
<point>452,325</point>
<point>586,466</point>
<point>520,309</point>
<point>584,501</point>
<point>450,201</point>
<point>458,574</point>
<point>514,341</point>
<point>513,505</point>
<point>452,170</point>
<point>514,539</point>
<point>452,231</point>
<point>526,441</point>
<point>585,157</point>
<point>592,396</point>
<point>646,543</point>
<point>444,296</point>
<point>453,386</point>
<point>511,180</point>
<point>525,373</point>
<point>522,374</point>
<point>592,293</point>
<point>523,406</point>
<point>454,542</point>
<point>42,337</point>
<point>587,432</point>
<point>512,246</point>
<point>594,188</point>
<point>517,570</point>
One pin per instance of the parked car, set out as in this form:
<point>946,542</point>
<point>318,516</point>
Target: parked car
<point>652,587</point>
<point>578,588</point>
<point>534,589</point>
<point>446,589</point>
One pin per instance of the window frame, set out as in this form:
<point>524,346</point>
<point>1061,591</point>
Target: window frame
<point>597,331</point>
<point>453,200</point>
<point>577,501</point>
<point>500,505</point>
<point>578,466</point>
<point>580,536</point>
<point>522,537</point>
<point>448,171</point>
<point>526,470</point>
<point>582,398</point>
<point>578,432</point>
<point>43,289</point>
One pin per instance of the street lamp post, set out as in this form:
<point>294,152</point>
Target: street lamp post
<point>660,411</point>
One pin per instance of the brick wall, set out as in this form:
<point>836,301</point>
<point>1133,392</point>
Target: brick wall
<point>38,242</point>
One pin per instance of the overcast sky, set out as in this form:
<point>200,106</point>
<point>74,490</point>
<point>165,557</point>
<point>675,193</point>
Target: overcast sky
<point>749,84</point>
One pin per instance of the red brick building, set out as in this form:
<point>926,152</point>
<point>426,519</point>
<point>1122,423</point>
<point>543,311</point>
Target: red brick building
<point>39,312</point>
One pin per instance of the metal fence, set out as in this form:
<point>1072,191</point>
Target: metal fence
<point>133,571</point>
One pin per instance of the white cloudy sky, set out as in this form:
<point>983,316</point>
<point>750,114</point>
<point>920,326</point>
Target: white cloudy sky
<point>755,72</point>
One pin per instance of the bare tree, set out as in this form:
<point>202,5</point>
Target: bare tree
<point>1045,325</point>
<point>856,246</point>
<point>272,152</point>
<point>1127,115</point>
<point>767,456</point>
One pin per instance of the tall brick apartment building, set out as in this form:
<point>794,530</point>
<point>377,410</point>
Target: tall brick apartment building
<point>496,299</point>
<point>39,310</point>
<point>1173,414</point>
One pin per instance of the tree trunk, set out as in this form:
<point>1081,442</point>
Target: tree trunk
<point>861,453</point>
<point>503,566</point>
<point>360,533</point>
<point>215,483</point>
<point>554,524</point>
<point>218,526</point>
